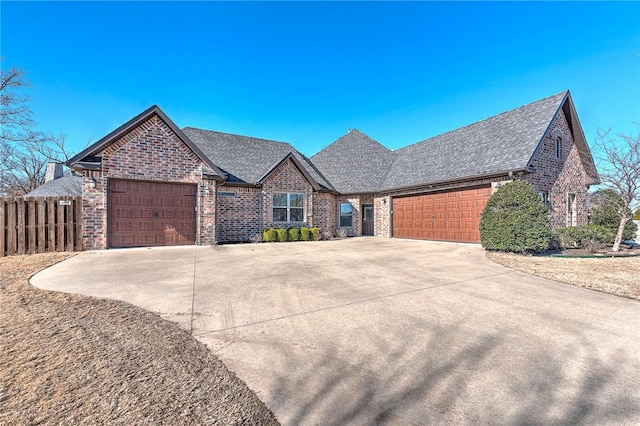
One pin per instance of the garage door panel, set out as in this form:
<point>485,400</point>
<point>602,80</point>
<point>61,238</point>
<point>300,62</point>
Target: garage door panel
<point>444,216</point>
<point>151,213</point>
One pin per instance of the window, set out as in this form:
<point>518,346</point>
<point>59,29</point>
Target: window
<point>558,147</point>
<point>346,214</point>
<point>572,212</point>
<point>544,196</point>
<point>288,207</point>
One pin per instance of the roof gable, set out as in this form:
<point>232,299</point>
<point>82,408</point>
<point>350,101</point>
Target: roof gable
<point>355,163</point>
<point>246,159</point>
<point>290,156</point>
<point>84,158</point>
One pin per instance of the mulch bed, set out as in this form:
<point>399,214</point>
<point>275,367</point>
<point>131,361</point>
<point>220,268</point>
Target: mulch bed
<point>68,359</point>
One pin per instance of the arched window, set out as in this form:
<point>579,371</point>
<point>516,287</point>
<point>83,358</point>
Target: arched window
<point>558,147</point>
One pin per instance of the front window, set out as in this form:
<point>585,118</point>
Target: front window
<point>558,147</point>
<point>346,214</point>
<point>288,207</point>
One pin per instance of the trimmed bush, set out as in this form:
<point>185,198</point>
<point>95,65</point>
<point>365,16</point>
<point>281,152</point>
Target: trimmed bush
<point>282,235</point>
<point>515,220</point>
<point>316,234</point>
<point>269,235</point>
<point>305,234</point>
<point>294,234</point>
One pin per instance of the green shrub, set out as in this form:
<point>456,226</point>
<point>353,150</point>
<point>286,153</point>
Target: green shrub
<point>305,235</point>
<point>515,220</point>
<point>282,235</point>
<point>294,234</point>
<point>316,234</point>
<point>269,235</point>
<point>605,214</point>
<point>576,236</point>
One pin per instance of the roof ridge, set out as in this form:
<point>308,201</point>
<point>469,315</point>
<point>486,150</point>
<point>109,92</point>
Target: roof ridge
<point>235,134</point>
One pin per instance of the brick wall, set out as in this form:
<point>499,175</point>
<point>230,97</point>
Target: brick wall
<point>559,177</point>
<point>286,179</point>
<point>324,212</point>
<point>382,216</point>
<point>151,152</point>
<point>238,213</point>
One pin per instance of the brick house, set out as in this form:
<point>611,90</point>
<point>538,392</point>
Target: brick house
<point>150,183</point>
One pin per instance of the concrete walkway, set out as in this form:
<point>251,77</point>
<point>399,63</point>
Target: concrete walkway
<point>378,331</point>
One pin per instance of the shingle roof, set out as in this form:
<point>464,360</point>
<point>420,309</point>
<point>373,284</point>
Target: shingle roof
<point>66,185</point>
<point>246,159</point>
<point>504,142</point>
<point>355,163</point>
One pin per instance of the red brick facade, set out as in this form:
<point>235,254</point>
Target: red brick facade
<point>561,177</point>
<point>152,152</point>
<point>153,149</point>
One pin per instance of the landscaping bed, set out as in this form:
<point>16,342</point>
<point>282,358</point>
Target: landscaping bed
<point>69,359</point>
<point>614,275</point>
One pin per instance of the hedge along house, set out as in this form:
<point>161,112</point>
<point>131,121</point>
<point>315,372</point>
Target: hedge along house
<point>149,183</point>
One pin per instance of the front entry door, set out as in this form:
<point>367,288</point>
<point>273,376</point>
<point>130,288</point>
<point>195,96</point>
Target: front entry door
<point>367,219</point>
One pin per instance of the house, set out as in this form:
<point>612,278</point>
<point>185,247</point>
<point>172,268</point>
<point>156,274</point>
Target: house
<point>56,184</point>
<point>150,183</point>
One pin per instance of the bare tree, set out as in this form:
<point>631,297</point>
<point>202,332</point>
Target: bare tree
<point>24,151</point>
<point>619,169</point>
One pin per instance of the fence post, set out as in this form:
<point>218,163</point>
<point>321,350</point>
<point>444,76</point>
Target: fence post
<point>11,226</point>
<point>78,223</point>
<point>42,221</point>
<point>51,224</point>
<point>2,227</point>
<point>31,226</point>
<point>20,228</point>
<point>60,226</point>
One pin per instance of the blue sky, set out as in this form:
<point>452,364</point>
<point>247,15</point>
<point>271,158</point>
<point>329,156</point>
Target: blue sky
<point>303,72</point>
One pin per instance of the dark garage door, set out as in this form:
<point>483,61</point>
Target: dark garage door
<point>441,216</point>
<point>151,213</point>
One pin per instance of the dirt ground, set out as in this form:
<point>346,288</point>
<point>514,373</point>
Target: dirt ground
<point>70,359</point>
<point>614,275</point>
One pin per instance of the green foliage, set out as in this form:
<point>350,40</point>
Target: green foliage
<point>294,234</point>
<point>305,234</point>
<point>282,235</point>
<point>515,220</point>
<point>316,234</point>
<point>269,235</point>
<point>606,214</point>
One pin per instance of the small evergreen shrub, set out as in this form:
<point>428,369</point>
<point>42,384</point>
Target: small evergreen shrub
<point>305,234</point>
<point>282,235</point>
<point>269,235</point>
<point>316,234</point>
<point>516,220</point>
<point>294,234</point>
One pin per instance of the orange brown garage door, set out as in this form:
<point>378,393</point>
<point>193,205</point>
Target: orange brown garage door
<point>441,216</point>
<point>151,213</point>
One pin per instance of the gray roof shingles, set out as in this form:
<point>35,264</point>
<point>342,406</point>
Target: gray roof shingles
<point>245,159</point>
<point>66,185</point>
<point>355,163</point>
<point>504,142</point>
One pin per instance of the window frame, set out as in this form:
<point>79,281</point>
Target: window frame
<point>558,147</point>
<point>349,215</point>
<point>544,196</point>
<point>288,207</point>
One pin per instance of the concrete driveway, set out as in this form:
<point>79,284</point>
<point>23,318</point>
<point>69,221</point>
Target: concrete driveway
<point>379,331</point>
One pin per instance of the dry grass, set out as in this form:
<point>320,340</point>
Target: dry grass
<point>67,359</point>
<point>614,275</point>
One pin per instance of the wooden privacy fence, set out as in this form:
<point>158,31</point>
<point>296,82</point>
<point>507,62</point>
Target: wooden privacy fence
<point>31,225</point>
